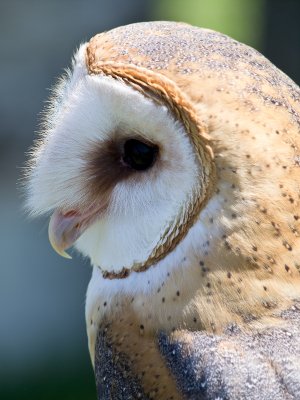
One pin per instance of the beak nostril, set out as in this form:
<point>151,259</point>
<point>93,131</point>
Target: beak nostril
<point>71,213</point>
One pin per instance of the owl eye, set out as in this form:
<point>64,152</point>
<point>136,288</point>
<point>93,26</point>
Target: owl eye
<point>139,155</point>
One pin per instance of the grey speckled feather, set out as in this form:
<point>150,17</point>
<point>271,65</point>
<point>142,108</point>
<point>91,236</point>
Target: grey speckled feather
<point>114,380</point>
<point>263,365</point>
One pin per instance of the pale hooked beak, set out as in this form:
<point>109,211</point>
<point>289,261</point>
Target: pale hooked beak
<point>64,229</point>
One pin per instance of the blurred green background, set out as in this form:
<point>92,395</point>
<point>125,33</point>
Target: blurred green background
<point>43,345</point>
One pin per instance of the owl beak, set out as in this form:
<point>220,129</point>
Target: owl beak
<point>64,229</point>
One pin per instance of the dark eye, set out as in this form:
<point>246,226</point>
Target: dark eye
<point>139,155</point>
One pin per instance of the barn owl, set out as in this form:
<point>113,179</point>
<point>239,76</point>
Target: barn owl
<point>170,157</point>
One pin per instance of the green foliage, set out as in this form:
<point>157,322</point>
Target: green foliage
<point>240,19</point>
<point>64,380</point>
<point>76,387</point>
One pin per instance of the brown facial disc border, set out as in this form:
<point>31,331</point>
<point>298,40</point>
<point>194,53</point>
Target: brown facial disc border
<point>164,91</point>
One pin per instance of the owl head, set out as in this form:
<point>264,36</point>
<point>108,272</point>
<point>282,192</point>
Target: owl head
<point>123,166</point>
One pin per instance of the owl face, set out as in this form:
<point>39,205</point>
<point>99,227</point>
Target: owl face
<point>114,168</point>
